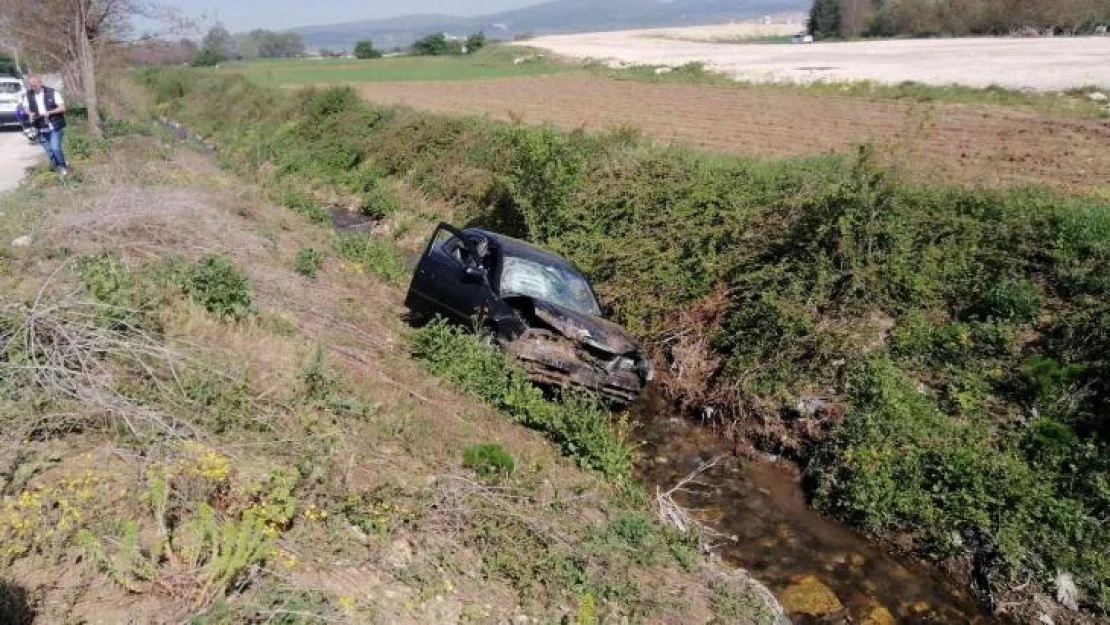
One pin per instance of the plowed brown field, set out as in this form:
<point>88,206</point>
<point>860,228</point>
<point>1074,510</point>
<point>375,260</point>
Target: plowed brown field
<point>963,143</point>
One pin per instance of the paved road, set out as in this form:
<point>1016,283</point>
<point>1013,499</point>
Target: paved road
<point>1047,64</point>
<point>16,155</point>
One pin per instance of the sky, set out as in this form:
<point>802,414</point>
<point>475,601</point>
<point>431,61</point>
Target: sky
<point>242,15</point>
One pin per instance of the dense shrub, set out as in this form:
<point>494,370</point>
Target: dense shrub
<point>208,57</point>
<point>489,460</point>
<point>1035,502</point>
<point>221,287</point>
<point>365,49</point>
<point>436,44</point>
<point>308,261</point>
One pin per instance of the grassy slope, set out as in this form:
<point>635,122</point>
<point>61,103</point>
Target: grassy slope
<point>937,355</point>
<point>231,440</point>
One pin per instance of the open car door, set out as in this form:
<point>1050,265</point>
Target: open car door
<point>451,278</point>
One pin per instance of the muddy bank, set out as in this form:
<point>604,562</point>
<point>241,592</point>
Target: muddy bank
<point>822,571</point>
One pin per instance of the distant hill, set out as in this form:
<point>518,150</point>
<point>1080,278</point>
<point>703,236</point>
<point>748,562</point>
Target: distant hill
<point>556,16</point>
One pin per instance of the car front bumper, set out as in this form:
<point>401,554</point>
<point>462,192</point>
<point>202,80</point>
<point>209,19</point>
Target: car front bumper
<point>552,360</point>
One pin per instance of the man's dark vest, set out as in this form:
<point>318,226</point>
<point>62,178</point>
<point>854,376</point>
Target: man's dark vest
<point>57,122</point>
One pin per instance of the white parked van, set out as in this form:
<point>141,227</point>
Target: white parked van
<point>11,94</point>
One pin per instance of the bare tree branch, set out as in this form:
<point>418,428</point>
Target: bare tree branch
<point>73,35</point>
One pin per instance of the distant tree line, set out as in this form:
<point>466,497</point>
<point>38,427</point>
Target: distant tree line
<point>266,44</point>
<point>156,52</point>
<point>925,18</point>
<point>365,50</point>
<point>436,44</point>
<point>439,44</point>
<point>220,45</point>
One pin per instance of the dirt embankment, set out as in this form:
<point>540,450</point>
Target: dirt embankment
<point>976,145</point>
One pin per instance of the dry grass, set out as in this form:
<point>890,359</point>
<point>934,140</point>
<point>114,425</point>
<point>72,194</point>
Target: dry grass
<point>58,346</point>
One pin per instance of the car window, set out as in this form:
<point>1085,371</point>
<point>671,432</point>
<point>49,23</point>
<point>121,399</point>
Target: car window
<point>567,288</point>
<point>8,88</point>
<point>456,248</point>
<point>451,245</point>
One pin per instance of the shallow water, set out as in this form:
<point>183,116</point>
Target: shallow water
<point>345,220</point>
<point>778,538</point>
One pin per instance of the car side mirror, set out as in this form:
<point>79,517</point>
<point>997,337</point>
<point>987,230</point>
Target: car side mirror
<point>606,310</point>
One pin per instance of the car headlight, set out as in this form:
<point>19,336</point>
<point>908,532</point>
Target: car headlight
<point>625,364</point>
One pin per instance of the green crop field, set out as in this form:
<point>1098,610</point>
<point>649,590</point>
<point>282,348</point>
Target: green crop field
<point>493,63</point>
<point>505,61</point>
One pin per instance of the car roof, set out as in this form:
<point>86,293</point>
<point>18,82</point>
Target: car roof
<point>523,249</point>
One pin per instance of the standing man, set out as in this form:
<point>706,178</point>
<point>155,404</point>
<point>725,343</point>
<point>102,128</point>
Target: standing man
<point>48,114</point>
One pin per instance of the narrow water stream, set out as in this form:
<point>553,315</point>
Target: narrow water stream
<point>780,540</point>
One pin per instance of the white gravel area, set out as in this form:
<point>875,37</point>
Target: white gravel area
<point>1041,64</point>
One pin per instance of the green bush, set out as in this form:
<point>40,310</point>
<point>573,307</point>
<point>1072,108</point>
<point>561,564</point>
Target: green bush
<point>476,42</point>
<point>436,44</point>
<point>543,174</point>
<point>130,300</point>
<point>308,262</point>
<point>208,57</point>
<point>1017,301</point>
<point>364,49</point>
<point>584,430</point>
<point>1034,498</point>
<point>300,203</point>
<point>379,202</point>
<point>222,288</point>
<point>489,460</point>
<point>375,256</point>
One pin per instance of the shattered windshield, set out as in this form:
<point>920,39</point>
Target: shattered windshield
<point>563,287</point>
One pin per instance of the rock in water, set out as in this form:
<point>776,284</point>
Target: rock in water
<point>879,616</point>
<point>1067,592</point>
<point>809,596</point>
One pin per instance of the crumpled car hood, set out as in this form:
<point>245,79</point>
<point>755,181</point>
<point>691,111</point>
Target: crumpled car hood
<point>593,331</point>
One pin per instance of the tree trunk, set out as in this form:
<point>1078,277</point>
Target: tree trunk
<point>86,70</point>
<point>88,84</point>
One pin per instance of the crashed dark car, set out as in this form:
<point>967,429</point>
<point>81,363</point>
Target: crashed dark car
<point>541,308</point>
